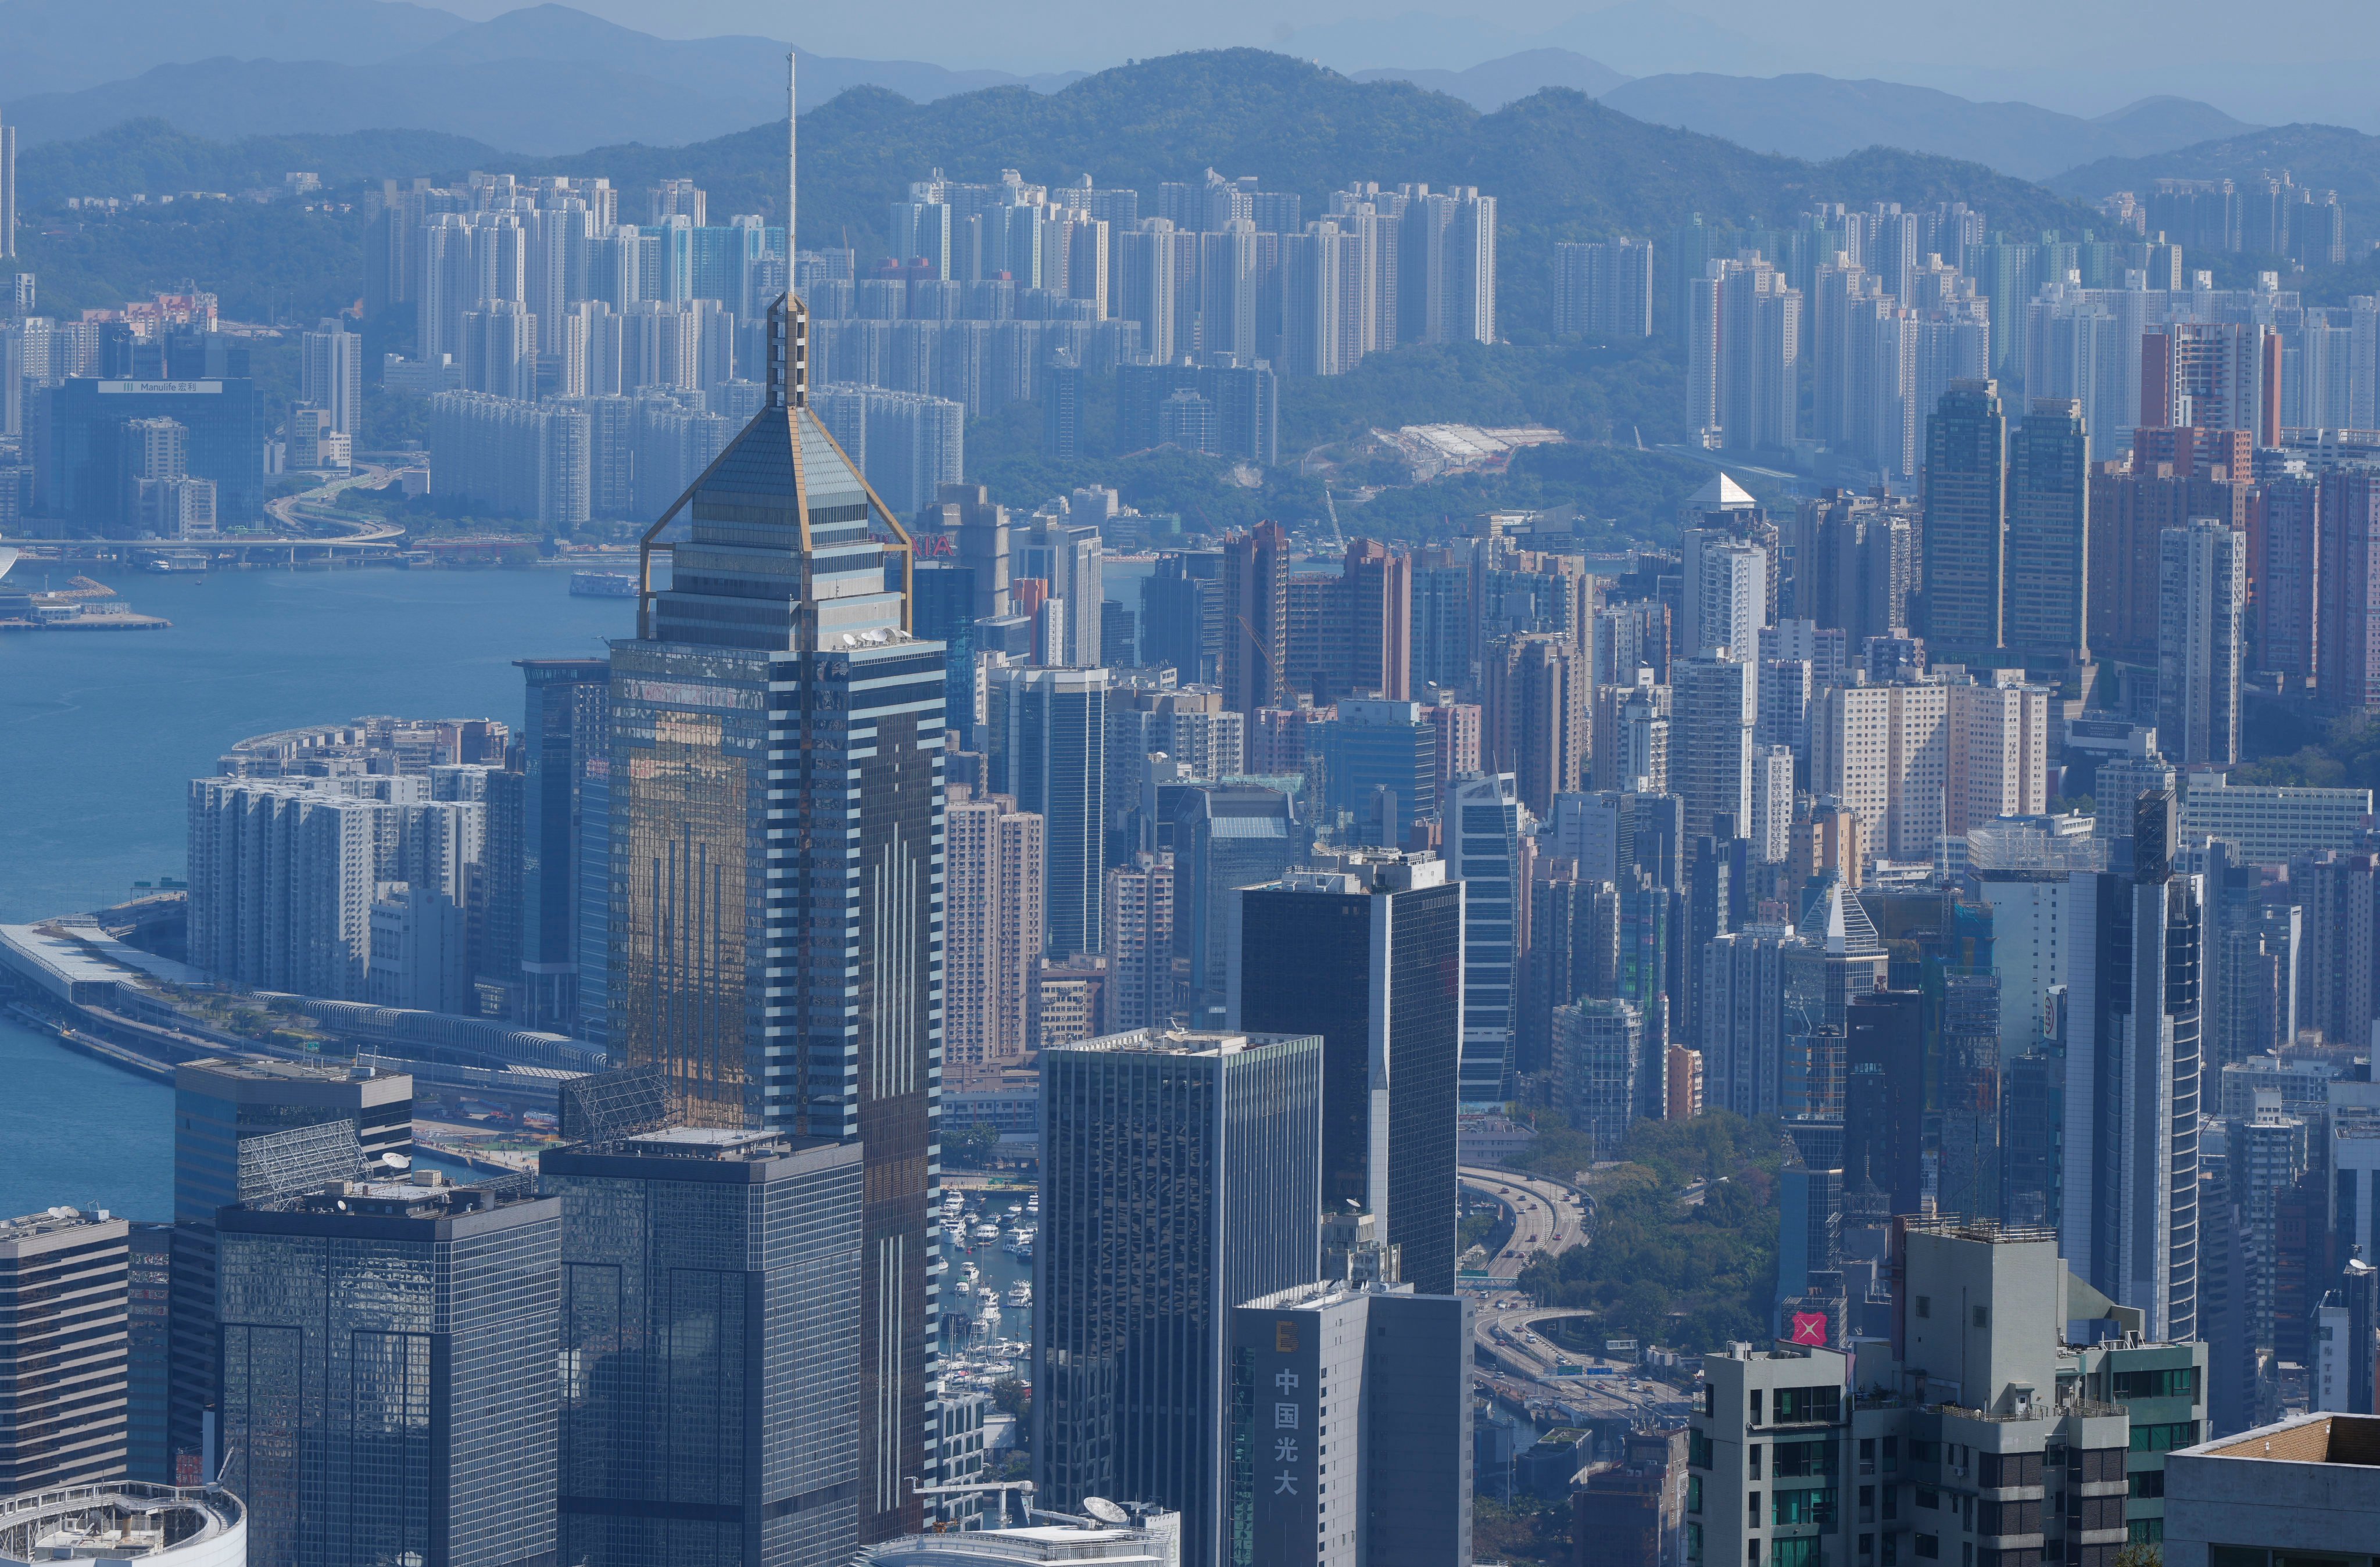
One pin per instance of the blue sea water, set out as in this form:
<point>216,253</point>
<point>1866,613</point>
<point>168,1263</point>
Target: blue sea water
<point>101,731</point>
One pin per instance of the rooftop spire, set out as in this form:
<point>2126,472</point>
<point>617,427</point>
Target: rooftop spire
<point>788,379</point>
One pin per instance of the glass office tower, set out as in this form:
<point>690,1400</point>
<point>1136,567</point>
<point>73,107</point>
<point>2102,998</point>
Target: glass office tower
<point>233,1121</point>
<point>1370,956</point>
<point>388,1377</point>
<point>710,1330</point>
<point>775,798</point>
<point>1180,1175</point>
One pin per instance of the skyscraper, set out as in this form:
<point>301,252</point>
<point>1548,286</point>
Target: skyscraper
<point>2133,1071</point>
<point>567,727</point>
<point>992,936</point>
<point>1256,617</point>
<point>777,898</point>
<point>64,1408</point>
<point>2048,533</point>
<point>331,374</point>
<point>1368,957</point>
<point>1483,851</point>
<point>1139,989</point>
<point>709,1310</point>
<point>1182,1175</point>
<point>2202,597</point>
<point>1967,522</point>
<point>1048,749</point>
<point>1710,740</point>
<point>247,1129</point>
<point>7,193</point>
<point>1603,290</point>
<point>1225,835</point>
<point>1351,1428</point>
<point>389,1374</point>
<point>1534,716</point>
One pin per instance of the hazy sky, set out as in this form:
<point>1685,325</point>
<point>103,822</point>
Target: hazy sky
<point>1073,34</point>
<point>2273,62</point>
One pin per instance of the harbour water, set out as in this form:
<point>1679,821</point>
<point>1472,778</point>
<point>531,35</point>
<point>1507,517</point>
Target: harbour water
<point>100,735</point>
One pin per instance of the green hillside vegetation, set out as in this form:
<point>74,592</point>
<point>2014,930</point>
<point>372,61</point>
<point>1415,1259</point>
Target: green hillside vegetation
<point>1690,1276</point>
<point>1603,396</point>
<point>149,157</point>
<point>262,261</point>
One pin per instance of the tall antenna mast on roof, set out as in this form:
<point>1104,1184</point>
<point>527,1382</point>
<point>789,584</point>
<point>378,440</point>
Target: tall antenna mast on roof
<point>789,380</point>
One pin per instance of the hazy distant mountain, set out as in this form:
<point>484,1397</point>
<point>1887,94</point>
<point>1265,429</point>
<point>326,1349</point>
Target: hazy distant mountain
<point>61,47</point>
<point>542,79</point>
<point>1636,37</point>
<point>1489,86</point>
<point>1820,117</point>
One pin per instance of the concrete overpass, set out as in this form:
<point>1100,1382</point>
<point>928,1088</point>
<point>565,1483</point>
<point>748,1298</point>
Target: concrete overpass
<point>1548,1215</point>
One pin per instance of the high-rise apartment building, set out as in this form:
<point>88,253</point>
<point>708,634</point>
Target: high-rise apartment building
<point>285,874</point>
<point>1534,716</point>
<point>1725,593</point>
<point>1139,921</point>
<point>64,1399</point>
<point>2347,673</point>
<point>747,1449</point>
<point>1986,1309</point>
<point>1716,703</point>
<point>331,374</point>
<point>2215,375</point>
<point>1743,350</point>
<point>2046,617</point>
<point>1256,617</point>
<point>2202,602</point>
<point>1182,1176</point>
<point>1484,828</point>
<point>1884,753</point>
<point>389,1381</point>
<point>776,809</point>
<point>2129,512</point>
<point>1996,756</point>
<point>1600,1070</point>
<point>1603,290</point>
<point>1966,523</point>
<point>1367,957</point>
<point>992,933</point>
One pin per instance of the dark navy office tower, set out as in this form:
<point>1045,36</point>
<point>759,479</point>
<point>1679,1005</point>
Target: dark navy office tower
<point>241,1128</point>
<point>1180,1175</point>
<point>388,1375</point>
<point>1370,956</point>
<point>710,1329</point>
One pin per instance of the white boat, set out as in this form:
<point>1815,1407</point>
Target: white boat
<point>990,1298</point>
<point>985,1231</point>
<point>1020,1294</point>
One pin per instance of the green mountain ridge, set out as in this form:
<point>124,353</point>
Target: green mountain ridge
<point>2321,156</point>
<point>1561,165</point>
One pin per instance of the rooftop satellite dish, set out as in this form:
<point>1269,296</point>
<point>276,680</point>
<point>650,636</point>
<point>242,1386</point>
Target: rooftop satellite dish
<point>1106,1512</point>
